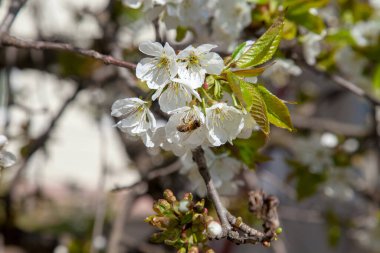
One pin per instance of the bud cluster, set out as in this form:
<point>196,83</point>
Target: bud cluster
<point>183,223</point>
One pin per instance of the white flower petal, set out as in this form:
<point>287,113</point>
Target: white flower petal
<point>151,48</point>
<point>205,48</point>
<point>213,63</point>
<point>7,159</point>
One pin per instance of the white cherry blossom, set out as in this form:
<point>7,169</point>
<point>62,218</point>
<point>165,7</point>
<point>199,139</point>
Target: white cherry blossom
<point>176,94</point>
<point>159,139</point>
<point>224,123</point>
<point>7,159</point>
<point>249,126</point>
<point>194,63</point>
<point>187,127</point>
<point>223,169</point>
<point>138,119</point>
<point>232,16</point>
<point>160,69</point>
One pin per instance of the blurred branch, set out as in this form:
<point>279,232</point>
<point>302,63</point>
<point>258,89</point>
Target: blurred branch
<point>321,124</point>
<point>263,206</point>
<point>11,41</point>
<point>11,15</point>
<point>40,142</point>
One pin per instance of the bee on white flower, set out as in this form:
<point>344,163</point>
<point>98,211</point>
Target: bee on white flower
<point>160,69</point>
<point>175,94</point>
<point>138,119</point>
<point>187,127</point>
<point>160,140</point>
<point>224,123</point>
<point>7,159</point>
<point>194,63</point>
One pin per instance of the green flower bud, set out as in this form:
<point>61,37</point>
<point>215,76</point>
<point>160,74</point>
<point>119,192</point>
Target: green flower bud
<point>169,196</point>
<point>193,250</point>
<point>188,196</point>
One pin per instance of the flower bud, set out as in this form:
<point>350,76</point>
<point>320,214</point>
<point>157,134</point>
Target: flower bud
<point>199,206</point>
<point>209,250</point>
<point>169,196</point>
<point>184,206</point>
<point>181,250</point>
<point>160,222</point>
<point>188,196</point>
<point>3,141</point>
<point>214,229</point>
<point>193,250</point>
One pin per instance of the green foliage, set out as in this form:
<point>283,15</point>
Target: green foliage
<point>311,22</point>
<point>307,182</point>
<point>248,150</point>
<point>303,6</point>
<point>376,77</point>
<point>334,231</point>
<point>182,223</point>
<point>264,48</point>
<point>278,113</point>
<point>180,33</point>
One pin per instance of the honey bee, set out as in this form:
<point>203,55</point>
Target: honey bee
<point>189,125</point>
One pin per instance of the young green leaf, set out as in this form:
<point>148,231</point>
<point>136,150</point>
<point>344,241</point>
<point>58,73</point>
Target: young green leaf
<point>238,51</point>
<point>259,111</point>
<point>264,48</point>
<point>234,83</point>
<point>278,113</point>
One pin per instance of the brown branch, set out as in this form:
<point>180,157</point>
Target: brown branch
<point>40,142</point>
<point>200,160</point>
<point>11,15</point>
<point>11,41</point>
<point>234,229</point>
<point>340,81</point>
<point>321,124</point>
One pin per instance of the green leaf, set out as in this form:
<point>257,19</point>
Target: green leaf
<point>278,113</point>
<point>234,83</point>
<point>264,48</point>
<point>302,6</point>
<point>259,111</point>
<point>376,77</point>
<point>238,51</point>
<point>180,33</point>
<point>311,22</point>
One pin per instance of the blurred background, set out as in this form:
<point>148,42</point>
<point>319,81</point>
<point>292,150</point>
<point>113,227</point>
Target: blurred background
<point>55,111</point>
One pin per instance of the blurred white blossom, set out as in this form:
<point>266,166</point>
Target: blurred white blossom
<point>7,159</point>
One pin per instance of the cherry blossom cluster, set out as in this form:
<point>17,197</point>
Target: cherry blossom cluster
<point>228,18</point>
<point>178,82</point>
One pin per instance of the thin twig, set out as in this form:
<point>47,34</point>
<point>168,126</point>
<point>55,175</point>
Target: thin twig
<point>40,142</point>
<point>11,41</point>
<point>234,229</point>
<point>342,82</point>
<point>11,15</point>
<point>200,160</point>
